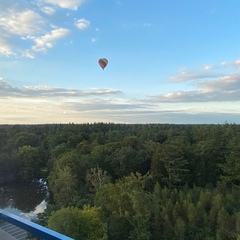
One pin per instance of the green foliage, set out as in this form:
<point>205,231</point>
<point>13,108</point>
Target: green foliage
<point>63,185</point>
<point>9,170</point>
<point>79,224</point>
<point>152,181</point>
<point>127,199</point>
<point>25,139</point>
<point>30,160</point>
<point>231,167</point>
<point>96,178</point>
<point>169,165</point>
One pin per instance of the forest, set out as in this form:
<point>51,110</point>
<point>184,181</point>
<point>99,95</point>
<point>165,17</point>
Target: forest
<point>130,181</point>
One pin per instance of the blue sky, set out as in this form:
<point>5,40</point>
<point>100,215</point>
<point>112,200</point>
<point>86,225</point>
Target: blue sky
<point>175,61</point>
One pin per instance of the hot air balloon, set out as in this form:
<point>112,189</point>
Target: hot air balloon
<point>103,62</point>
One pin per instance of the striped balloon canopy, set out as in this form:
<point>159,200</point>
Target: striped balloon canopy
<point>103,62</point>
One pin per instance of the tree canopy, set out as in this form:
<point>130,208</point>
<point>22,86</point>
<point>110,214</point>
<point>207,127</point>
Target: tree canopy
<point>130,181</point>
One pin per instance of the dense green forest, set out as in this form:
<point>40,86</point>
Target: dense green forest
<point>131,181</point>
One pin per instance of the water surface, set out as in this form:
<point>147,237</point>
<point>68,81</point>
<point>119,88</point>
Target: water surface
<point>24,199</point>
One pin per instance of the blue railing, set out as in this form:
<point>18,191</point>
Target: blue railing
<point>32,227</point>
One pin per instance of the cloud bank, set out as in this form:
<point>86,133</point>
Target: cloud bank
<point>6,90</point>
<point>206,86</point>
<point>213,98</point>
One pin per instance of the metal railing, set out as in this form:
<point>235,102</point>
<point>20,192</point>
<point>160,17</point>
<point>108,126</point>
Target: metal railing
<point>35,229</point>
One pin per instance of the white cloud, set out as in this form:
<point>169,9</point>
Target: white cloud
<point>46,104</point>
<point>48,10</point>
<point>235,64</point>
<point>207,72</point>
<point>6,90</point>
<point>224,84</point>
<point>5,47</point>
<point>27,28</point>
<point>197,96</point>
<point>46,41</point>
<point>67,4</point>
<point>205,86</point>
<point>82,24</point>
<point>25,22</point>
<point>4,85</point>
<point>208,67</point>
<point>193,76</point>
<point>42,104</point>
<point>222,89</point>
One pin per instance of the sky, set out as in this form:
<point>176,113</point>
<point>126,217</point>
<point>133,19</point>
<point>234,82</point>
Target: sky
<point>169,61</point>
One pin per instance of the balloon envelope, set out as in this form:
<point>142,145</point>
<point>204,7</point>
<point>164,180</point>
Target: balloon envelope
<point>103,62</point>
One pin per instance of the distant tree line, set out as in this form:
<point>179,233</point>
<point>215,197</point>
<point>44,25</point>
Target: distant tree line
<point>131,181</point>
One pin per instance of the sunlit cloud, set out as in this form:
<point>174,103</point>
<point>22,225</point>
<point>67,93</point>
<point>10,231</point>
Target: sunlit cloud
<point>6,47</point>
<point>67,4</point>
<point>224,89</point>
<point>82,24</point>
<point>44,42</point>
<point>22,23</point>
<point>37,104</point>
<point>235,64</point>
<point>208,67</point>
<point>48,10</point>
<point>26,28</point>
<point>208,72</point>
<point>197,96</point>
<point>184,76</point>
<point>225,84</point>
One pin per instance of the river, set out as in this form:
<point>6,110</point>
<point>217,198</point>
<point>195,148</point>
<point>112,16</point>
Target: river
<point>24,199</point>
